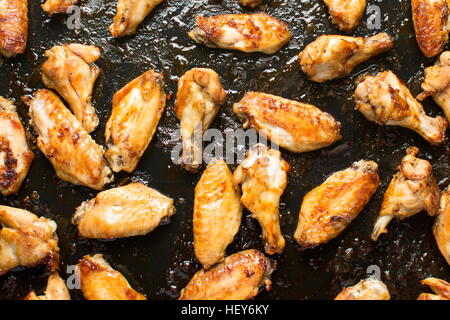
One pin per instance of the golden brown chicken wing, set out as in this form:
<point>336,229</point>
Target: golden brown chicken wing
<point>63,140</point>
<point>99,281</point>
<point>412,190</point>
<point>263,175</point>
<point>26,240</point>
<point>346,14</point>
<point>130,13</point>
<point>58,6</point>
<point>331,57</point>
<point>441,228</point>
<point>368,289</point>
<point>327,210</point>
<point>431,18</point>
<point>251,3</point>
<point>13,27</point>
<point>238,277</point>
<point>386,100</point>
<point>217,213</point>
<point>440,287</point>
<point>70,70</point>
<point>200,95</point>
<point>295,126</point>
<point>256,32</point>
<point>136,111</point>
<point>127,211</point>
<point>15,155</point>
<point>56,290</point>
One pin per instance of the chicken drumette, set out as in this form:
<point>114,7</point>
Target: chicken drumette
<point>441,228</point>
<point>412,190</point>
<point>346,14</point>
<point>251,3</point>
<point>440,287</point>
<point>56,290</point>
<point>58,6</point>
<point>368,289</point>
<point>13,27</point>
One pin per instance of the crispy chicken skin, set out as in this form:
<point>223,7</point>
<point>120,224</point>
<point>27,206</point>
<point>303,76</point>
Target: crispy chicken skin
<point>217,213</point>
<point>14,27</point>
<point>385,100</point>
<point>437,83</point>
<point>70,70</point>
<point>346,14</point>
<point>15,155</point>
<point>431,19</point>
<point>199,97</point>
<point>328,209</point>
<point>26,240</point>
<point>63,140</point>
<point>263,175</point>
<point>368,289</point>
<point>58,6</point>
<point>441,228</point>
<point>251,3</point>
<point>413,189</point>
<point>56,290</point>
<point>136,111</point>
<point>127,211</point>
<point>130,13</point>
<point>335,56</point>
<point>295,126</point>
<point>256,32</point>
<point>238,277</point>
<point>440,287</point>
<point>99,281</point>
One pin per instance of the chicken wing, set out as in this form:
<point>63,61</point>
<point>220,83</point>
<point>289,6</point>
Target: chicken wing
<point>386,100</point>
<point>327,210</point>
<point>136,111</point>
<point>431,24</point>
<point>441,228</point>
<point>238,277</point>
<point>71,71</point>
<point>130,13</point>
<point>200,95</point>
<point>346,14</point>
<point>127,211</point>
<point>15,155</point>
<point>251,3</point>
<point>58,6</point>
<point>99,281</point>
<point>14,27</point>
<point>440,287</point>
<point>368,289</point>
<point>63,140</point>
<point>56,290</point>
<point>217,213</point>
<point>263,175</point>
<point>256,32</point>
<point>295,126</point>
<point>331,57</point>
<point>26,240</point>
<point>412,190</point>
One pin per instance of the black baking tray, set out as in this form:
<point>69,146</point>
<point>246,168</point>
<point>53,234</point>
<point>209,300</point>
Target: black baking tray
<point>161,263</point>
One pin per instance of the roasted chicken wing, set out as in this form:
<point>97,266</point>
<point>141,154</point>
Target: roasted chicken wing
<point>13,27</point>
<point>130,13</point>
<point>441,228</point>
<point>26,240</point>
<point>136,111</point>
<point>127,211</point>
<point>431,23</point>
<point>217,213</point>
<point>386,100</point>
<point>293,125</point>
<point>256,32</point>
<point>71,71</point>
<point>251,3</point>
<point>99,281</point>
<point>346,14</point>
<point>440,287</point>
<point>63,140</point>
<point>58,6</point>
<point>238,277</point>
<point>368,289</point>
<point>200,95</point>
<point>56,290</point>
<point>15,155</point>
<point>263,175</point>
<point>412,190</point>
<point>327,210</point>
<point>331,57</point>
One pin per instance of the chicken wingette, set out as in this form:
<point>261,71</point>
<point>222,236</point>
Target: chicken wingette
<point>58,6</point>
<point>440,288</point>
<point>251,3</point>
<point>13,27</point>
<point>441,228</point>
<point>56,290</point>
<point>346,14</point>
<point>368,289</point>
